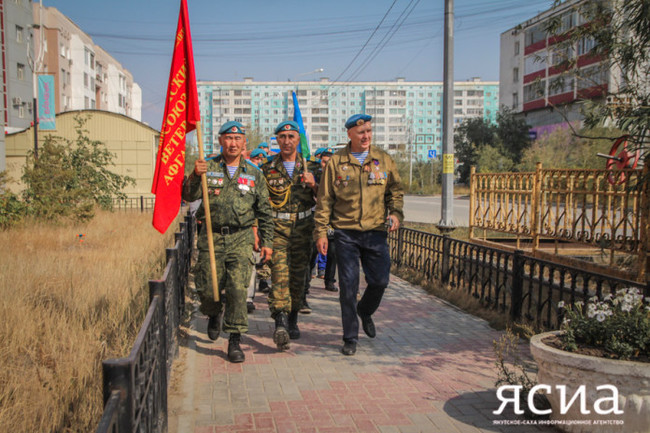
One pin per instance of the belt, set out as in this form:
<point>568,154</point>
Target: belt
<point>292,216</point>
<point>227,230</point>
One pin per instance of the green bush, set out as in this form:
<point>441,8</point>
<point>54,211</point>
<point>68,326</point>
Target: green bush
<point>12,210</point>
<point>68,180</point>
<point>619,325</point>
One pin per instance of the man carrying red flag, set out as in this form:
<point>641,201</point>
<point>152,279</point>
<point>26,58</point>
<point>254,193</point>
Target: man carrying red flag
<point>180,117</point>
<point>237,198</point>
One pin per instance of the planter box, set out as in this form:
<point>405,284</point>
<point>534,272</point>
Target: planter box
<point>631,379</point>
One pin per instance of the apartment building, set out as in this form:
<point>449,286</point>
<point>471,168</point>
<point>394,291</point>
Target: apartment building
<point>85,76</point>
<point>407,116</point>
<point>532,63</point>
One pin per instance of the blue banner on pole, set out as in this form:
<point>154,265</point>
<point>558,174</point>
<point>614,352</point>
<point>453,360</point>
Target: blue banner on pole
<point>46,92</point>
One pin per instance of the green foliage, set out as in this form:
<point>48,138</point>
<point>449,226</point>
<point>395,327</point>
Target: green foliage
<point>68,180</point>
<point>619,325</point>
<point>562,148</point>
<point>620,31</point>
<point>512,134</point>
<point>490,147</point>
<point>492,160</point>
<point>12,210</point>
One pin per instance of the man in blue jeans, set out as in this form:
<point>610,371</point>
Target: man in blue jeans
<point>361,198</point>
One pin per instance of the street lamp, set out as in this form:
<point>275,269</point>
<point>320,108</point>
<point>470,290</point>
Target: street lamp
<point>315,71</point>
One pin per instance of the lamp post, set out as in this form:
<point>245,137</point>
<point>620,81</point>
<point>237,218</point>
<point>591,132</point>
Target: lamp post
<point>315,71</point>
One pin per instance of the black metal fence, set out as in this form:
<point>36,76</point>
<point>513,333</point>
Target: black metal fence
<point>135,387</point>
<point>141,203</point>
<point>511,282</point>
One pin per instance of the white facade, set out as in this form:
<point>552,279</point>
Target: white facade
<point>405,114</point>
<point>86,76</point>
<point>533,70</point>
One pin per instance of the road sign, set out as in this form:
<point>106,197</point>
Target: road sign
<point>432,153</point>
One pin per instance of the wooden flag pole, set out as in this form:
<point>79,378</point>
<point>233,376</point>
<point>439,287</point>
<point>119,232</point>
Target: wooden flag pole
<point>208,218</point>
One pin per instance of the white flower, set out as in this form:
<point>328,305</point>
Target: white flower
<point>579,304</point>
<point>560,304</point>
<point>593,299</point>
<point>626,307</point>
<point>600,316</point>
<point>591,313</point>
<point>628,298</point>
<point>608,297</point>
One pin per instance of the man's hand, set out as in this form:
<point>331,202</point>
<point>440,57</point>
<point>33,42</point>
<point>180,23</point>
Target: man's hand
<point>309,179</point>
<point>200,167</point>
<point>321,245</point>
<point>266,253</point>
<point>395,225</point>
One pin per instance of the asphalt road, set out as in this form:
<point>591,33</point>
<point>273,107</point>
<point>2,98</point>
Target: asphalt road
<point>426,209</point>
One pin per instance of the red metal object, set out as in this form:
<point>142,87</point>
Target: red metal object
<point>620,158</point>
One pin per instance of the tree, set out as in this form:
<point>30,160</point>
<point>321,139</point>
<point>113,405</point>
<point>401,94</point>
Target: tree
<point>618,31</point>
<point>513,134</point>
<point>562,148</point>
<point>469,137</point>
<point>70,179</point>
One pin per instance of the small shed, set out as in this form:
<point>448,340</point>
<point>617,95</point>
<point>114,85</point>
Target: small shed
<point>134,144</point>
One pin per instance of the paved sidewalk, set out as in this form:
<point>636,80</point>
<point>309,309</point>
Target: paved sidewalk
<point>430,369</point>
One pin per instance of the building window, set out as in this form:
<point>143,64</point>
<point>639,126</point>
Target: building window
<point>19,34</point>
<point>86,102</point>
<point>515,100</point>
<point>20,71</point>
<point>516,48</point>
<point>86,81</point>
<point>515,75</point>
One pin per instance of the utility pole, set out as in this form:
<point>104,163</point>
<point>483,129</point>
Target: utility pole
<point>36,63</point>
<point>446,222</point>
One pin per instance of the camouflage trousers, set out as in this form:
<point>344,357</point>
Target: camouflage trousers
<point>233,254</point>
<point>292,245</point>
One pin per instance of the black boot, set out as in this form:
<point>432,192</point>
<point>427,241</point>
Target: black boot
<point>281,334</point>
<point>294,332</point>
<point>235,354</point>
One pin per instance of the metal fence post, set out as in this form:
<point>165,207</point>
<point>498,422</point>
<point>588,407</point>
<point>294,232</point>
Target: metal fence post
<point>517,290</point>
<point>116,375</point>
<point>400,246</point>
<point>446,256</point>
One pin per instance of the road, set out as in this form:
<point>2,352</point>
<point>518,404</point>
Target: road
<point>426,209</point>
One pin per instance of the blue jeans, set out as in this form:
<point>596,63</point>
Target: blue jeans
<point>372,248</point>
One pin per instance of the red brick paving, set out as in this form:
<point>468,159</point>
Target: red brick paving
<point>430,369</point>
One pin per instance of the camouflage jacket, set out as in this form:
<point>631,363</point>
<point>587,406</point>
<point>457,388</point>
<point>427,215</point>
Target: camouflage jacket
<point>236,202</point>
<point>289,194</point>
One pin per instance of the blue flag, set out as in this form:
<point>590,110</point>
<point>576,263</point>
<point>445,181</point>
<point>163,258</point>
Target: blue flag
<point>297,117</point>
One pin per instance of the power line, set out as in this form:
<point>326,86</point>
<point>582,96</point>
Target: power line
<point>368,40</point>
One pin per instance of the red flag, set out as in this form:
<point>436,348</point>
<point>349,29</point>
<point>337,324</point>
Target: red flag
<point>181,115</point>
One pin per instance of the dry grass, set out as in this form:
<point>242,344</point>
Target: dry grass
<point>66,306</point>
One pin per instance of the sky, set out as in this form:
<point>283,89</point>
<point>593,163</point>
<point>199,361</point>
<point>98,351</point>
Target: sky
<point>272,40</point>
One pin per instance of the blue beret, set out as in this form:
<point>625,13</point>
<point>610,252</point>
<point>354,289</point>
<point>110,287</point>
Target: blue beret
<point>320,150</point>
<point>263,145</point>
<point>328,151</point>
<point>258,152</point>
<point>232,127</point>
<point>357,120</point>
<point>288,125</point>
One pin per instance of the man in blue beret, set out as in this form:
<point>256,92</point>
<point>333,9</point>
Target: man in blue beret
<point>361,198</point>
<point>237,198</point>
<point>258,156</point>
<point>292,192</point>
